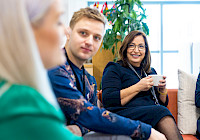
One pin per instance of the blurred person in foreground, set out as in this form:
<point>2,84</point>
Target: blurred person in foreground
<point>30,33</point>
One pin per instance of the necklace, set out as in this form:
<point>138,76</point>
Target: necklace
<point>141,72</point>
<point>140,77</point>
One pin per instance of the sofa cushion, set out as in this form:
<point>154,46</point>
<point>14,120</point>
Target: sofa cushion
<point>172,105</point>
<point>189,137</point>
<point>187,111</point>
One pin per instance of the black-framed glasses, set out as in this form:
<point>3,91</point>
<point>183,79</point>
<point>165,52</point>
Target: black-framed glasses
<point>132,47</point>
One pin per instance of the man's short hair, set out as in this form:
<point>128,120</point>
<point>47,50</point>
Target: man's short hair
<point>87,12</point>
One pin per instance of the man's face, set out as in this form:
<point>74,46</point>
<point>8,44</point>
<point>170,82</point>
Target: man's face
<point>85,39</point>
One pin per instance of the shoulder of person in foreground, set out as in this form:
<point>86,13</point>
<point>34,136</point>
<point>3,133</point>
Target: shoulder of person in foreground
<point>39,118</point>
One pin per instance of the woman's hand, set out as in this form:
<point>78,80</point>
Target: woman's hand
<point>162,85</point>
<point>99,94</point>
<point>145,83</point>
<point>155,135</point>
<point>75,130</point>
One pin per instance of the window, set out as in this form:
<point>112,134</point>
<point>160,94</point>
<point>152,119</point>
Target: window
<point>174,32</point>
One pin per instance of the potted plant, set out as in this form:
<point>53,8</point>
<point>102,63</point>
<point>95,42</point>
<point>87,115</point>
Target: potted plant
<point>124,16</point>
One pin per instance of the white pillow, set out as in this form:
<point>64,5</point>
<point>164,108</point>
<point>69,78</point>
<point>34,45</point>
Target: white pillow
<point>187,111</point>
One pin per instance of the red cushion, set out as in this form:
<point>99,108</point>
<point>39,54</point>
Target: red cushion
<point>172,105</point>
<point>189,137</point>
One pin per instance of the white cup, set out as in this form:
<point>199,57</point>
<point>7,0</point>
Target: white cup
<point>156,79</point>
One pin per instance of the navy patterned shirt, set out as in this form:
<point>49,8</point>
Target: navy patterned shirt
<point>82,110</point>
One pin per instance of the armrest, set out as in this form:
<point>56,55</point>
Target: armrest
<point>172,105</point>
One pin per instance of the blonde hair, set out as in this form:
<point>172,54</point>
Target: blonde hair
<point>87,12</point>
<point>20,60</point>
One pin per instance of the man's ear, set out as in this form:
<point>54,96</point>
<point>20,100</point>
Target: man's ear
<point>68,32</point>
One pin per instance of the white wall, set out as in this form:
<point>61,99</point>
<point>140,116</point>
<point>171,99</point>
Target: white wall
<point>196,58</point>
<point>71,7</point>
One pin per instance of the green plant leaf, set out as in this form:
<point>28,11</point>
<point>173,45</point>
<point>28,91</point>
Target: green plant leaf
<point>124,19</point>
<point>113,50</point>
<point>145,28</point>
<point>133,14</point>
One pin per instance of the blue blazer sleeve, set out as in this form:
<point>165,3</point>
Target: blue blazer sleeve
<point>197,92</point>
<point>76,107</point>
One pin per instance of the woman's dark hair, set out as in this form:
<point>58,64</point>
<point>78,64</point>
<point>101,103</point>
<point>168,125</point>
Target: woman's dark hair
<point>146,62</point>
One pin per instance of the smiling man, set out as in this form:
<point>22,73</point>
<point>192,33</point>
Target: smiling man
<point>76,89</point>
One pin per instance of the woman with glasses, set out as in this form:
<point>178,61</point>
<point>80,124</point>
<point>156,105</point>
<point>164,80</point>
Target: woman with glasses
<point>128,87</point>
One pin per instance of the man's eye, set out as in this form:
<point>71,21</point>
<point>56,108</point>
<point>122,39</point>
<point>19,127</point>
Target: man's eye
<point>83,33</point>
<point>97,38</point>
